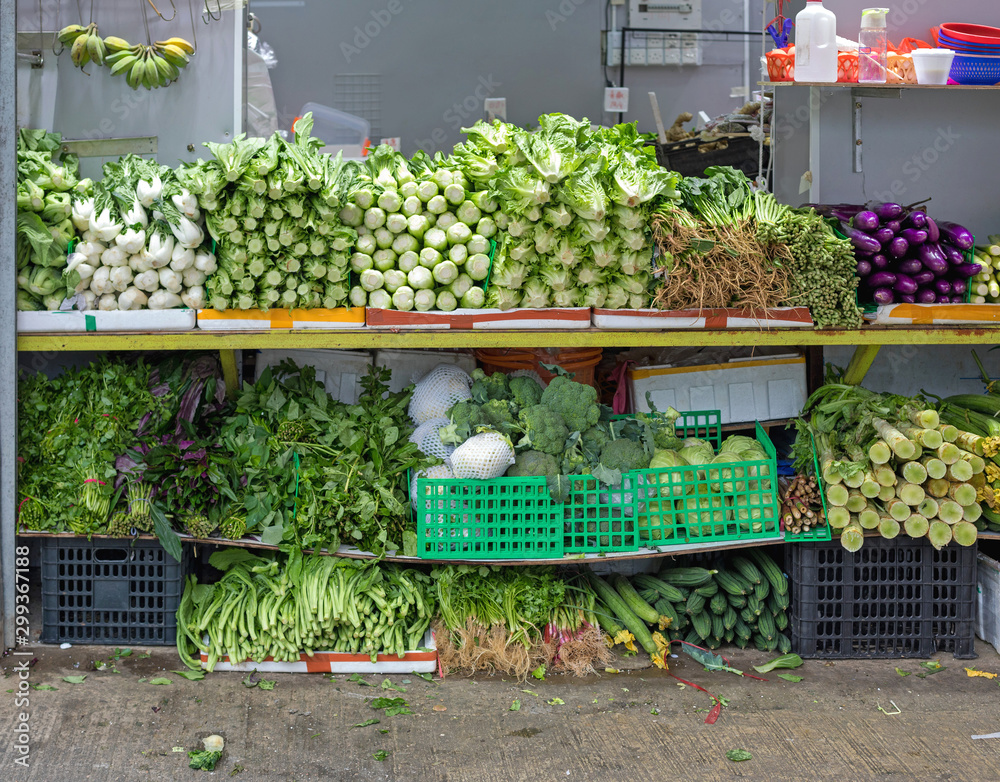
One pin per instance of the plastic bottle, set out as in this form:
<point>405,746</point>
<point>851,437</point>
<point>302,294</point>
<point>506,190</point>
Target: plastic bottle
<point>816,44</point>
<point>873,47</point>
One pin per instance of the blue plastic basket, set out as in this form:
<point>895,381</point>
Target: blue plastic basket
<point>977,70</point>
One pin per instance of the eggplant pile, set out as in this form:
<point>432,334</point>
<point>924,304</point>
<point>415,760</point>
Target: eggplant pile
<point>904,255</point>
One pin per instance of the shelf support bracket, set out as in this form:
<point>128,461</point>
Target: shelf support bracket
<point>230,372</point>
<point>861,362</point>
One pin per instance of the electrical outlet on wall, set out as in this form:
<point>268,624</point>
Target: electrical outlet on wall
<point>613,48</point>
<point>636,56</point>
<point>654,53</point>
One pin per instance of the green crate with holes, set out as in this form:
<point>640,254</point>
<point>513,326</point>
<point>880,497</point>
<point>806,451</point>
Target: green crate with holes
<point>601,518</point>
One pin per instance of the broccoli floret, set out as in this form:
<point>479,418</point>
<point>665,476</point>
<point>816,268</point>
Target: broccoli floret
<point>624,455</point>
<point>544,429</point>
<point>530,463</point>
<point>526,391</point>
<point>575,402</point>
<point>467,413</point>
<point>486,387</point>
<point>594,440</point>
<point>574,460</point>
<point>500,415</point>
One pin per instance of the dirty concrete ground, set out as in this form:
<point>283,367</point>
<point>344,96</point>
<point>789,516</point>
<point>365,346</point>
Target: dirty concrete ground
<point>116,726</point>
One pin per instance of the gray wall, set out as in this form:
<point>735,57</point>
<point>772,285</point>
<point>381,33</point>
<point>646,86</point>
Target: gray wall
<point>542,55</point>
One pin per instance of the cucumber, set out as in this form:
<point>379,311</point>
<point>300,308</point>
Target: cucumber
<point>718,603</point>
<point>754,605</point>
<point>729,618</point>
<point>651,583</point>
<point>762,590</point>
<point>784,644</point>
<point>770,570</point>
<point>765,626</point>
<point>737,601</point>
<point>729,636</point>
<point>695,604</point>
<point>749,617</point>
<point>707,590</point>
<point>676,635</point>
<point>731,584</point>
<point>702,624</point>
<point>686,576</point>
<point>718,629</point>
<point>666,608</point>
<point>742,629</point>
<point>693,638</point>
<point>638,606</point>
<point>760,643</point>
<point>780,600</point>
<point>713,643</point>
<point>781,621</point>
<point>741,642</point>
<point>747,569</point>
<point>624,614</point>
<point>649,595</point>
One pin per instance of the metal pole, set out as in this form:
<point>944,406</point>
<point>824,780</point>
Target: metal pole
<point>8,318</point>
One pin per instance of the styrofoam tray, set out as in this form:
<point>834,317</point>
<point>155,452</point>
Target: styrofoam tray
<point>257,320</point>
<point>565,318</point>
<point>342,662</point>
<point>780,318</point>
<point>105,320</point>
<point>933,314</point>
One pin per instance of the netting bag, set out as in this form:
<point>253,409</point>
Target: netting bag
<point>482,457</point>
<point>427,438</point>
<point>435,472</point>
<point>436,393</point>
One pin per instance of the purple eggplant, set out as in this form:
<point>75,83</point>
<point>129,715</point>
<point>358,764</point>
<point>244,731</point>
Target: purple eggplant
<point>916,219</point>
<point>882,280</point>
<point>933,232</point>
<point>933,258</point>
<point>966,270</point>
<point>955,256</point>
<point>905,285</point>
<point>926,296</point>
<point>883,236</point>
<point>859,239</point>
<point>864,268</point>
<point>895,226</point>
<point>942,286</point>
<point>883,296</point>
<point>879,261</point>
<point>910,266</point>
<point>924,278</point>
<point>943,299</point>
<point>959,286</point>
<point>899,247</point>
<point>957,235</point>
<point>914,236</point>
<point>865,221</point>
<point>958,299</point>
<point>907,298</point>
<point>887,211</point>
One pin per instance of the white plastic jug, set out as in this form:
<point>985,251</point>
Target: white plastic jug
<point>815,44</point>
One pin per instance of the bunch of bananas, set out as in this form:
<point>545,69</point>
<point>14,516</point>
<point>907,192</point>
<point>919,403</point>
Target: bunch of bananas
<point>152,66</point>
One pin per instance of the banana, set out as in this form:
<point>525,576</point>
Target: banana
<point>152,77</point>
<point>79,53</point>
<point>95,48</point>
<point>123,65</point>
<point>118,56</point>
<point>135,74</point>
<point>71,32</point>
<point>114,44</point>
<point>173,54</point>
<point>167,72</point>
<point>180,43</point>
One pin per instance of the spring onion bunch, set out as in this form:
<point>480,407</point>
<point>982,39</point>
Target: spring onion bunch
<point>47,186</point>
<point>575,205</point>
<point>273,208</point>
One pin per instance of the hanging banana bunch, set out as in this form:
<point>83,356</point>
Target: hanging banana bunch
<point>85,44</point>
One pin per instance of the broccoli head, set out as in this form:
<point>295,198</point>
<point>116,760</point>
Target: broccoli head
<point>624,455</point>
<point>530,463</point>
<point>486,387</point>
<point>526,391</point>
<point>544,430</point>
<point>594,440</point>
<point>467,413</point>
<point>500,415</point>
<point>575,402</point>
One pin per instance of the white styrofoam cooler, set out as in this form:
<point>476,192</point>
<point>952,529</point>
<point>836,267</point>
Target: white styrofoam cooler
<point>408,366</point>
<point>61,321</point>
<point>339,370</point>
<point>988,601</point>
<point>743,390</point>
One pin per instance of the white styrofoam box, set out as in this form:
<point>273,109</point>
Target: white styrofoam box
<point>58,321</point>
<point>934,314</point>
<point>256,320</point>
<point>415,661</point>
<point>988,601</point>
<point>780,317</point>
<point>517,318</point>
<point>742,390</point>
<point>408,366</point>
<point>339,370</point>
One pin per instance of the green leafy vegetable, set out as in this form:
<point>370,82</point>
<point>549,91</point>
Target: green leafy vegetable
<point>789,677</point>
<point>739,755</point>
<point>784,661</point>
<point>75,679</point>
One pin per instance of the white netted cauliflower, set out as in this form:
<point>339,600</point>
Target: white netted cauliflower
<point>427,438</point>
<point>438,391</point>
<point>435,472</point>
<point>483,457</point>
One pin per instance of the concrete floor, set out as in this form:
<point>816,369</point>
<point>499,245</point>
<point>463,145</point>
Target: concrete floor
<point>116,727</point>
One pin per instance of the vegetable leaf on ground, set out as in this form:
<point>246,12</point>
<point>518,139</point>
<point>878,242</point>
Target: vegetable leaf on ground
<point>738,755</point>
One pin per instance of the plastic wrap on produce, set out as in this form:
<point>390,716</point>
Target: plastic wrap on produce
<point>258,320</point>
<point>422,660</point>
<point>64,321</point>
<point>780,318</point>
<point>567,318</point>
<point>934,314</point>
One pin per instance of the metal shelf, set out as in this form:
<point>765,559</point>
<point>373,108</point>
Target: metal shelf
<point>427,338</point>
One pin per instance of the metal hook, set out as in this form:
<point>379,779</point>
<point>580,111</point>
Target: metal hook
<point>157,10</point>
<point>194,27</point>
<point>209,14</point>
<point>255,25</point>
<point>145,22</point>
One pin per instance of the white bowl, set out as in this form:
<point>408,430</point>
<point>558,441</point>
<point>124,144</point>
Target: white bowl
<point>932,65</point>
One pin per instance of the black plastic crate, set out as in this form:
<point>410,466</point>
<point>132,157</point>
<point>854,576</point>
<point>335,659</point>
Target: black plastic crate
<point>893,598</point>
<point>110,592</point>
<point>686,158</point>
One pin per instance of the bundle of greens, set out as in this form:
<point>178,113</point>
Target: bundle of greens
<point>424,239</point>
<point>143,242</point>
<point>273,208</point>
<point>575,205</point>
<point>47,188</point>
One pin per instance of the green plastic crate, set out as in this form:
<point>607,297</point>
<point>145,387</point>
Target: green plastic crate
<point>601,518</point>
<point>816,533</point>
<point>507,518</point>
<point>709,503</point>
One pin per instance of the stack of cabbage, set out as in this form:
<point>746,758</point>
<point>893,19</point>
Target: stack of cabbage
<point>577,201</point>
<point>736,496</point>
<point>423,238</point>
<point>272,207</point>
<point>46,187</point>
<point>142,242</point>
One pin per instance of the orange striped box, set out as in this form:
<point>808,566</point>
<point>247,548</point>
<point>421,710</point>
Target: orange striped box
<point>258,320</point>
